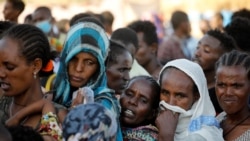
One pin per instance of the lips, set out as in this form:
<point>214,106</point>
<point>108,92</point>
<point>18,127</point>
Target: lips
<point>4,86</point>
<point>229,100</point>
<point>129,113</point>
<point>76,79</point>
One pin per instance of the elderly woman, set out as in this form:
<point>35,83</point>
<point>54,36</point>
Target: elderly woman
<point>187,112</point>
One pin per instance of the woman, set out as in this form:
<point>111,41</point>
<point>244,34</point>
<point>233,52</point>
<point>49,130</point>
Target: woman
<point>119,62</point>
<point>82,65</point>
<point>24,56</point>
<point>187,112</point>
<point>139,105</point>
<point>232,91</point>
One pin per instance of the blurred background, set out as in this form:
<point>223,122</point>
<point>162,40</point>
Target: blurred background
<point>126,11</point>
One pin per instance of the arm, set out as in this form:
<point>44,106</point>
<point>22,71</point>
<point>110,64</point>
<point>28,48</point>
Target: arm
<point>42,106</point>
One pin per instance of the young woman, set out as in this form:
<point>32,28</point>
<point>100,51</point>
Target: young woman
<point>24,56</point>
<point>139,105</point>
<point>82,64</point>
<point>232,90</point>
<point>187,111</point>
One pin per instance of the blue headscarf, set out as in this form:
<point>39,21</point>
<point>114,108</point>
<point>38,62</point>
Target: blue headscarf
<point>74,45</point>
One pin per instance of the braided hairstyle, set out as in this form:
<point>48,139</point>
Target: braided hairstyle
<point>116,49</point>
<point>235,58</point>
<point>32,42</point>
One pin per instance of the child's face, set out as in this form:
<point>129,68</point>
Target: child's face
<point>137,103</point>
<point>82,68</point>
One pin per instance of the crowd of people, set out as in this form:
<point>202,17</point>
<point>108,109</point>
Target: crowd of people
<point>78,80</point>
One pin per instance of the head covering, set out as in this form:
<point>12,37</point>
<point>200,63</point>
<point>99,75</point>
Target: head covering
<point>73,45</point>
<point>89,121</point>
<point>200,119</point>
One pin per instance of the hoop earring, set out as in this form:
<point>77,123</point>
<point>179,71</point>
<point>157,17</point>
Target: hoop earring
<point>34,75</point>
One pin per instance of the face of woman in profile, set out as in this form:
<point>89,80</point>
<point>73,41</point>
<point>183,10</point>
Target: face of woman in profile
<point>16,75</point>
<point>118,73</point>
<point>177,89</point>
<point>81,69</point>
<point>137,103</point>
<point>232,88</point>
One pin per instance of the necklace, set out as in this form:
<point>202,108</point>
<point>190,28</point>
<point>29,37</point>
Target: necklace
<point>230,130</point>
<point>19,104</point>
<point>11,114</point>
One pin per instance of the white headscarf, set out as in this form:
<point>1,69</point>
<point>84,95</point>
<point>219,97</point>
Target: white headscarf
<point>200,119</point>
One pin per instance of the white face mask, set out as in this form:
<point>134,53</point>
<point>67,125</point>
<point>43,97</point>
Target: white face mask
<point>45,26</point>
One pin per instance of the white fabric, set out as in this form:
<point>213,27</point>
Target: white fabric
<point>137,70</point>
<point>201,108</point>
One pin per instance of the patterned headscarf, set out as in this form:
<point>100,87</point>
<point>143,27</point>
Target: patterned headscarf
<point>200,119</point>
<point>74,45</point>
<point>89,121</point>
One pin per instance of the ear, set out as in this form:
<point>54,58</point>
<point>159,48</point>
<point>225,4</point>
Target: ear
<point>196,96</point>
<point>154,48</point>
<point>37,65</point>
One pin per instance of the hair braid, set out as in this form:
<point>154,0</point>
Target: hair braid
<point>235,58</point>
<point>33,43</point>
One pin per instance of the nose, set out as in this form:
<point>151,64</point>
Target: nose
<point>126,76</point>
<point>79,67</point>
<point>133,101</point>
<point>172,100</point>
<point>2,73</point>
<point>228,91</point>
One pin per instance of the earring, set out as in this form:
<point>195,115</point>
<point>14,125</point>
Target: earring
<point>34,75</point>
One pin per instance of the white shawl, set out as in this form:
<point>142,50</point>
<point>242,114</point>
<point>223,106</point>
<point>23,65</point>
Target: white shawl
<point>200,119</point>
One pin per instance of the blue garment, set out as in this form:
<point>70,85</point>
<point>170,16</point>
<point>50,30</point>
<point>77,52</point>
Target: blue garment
<point>75,44</point>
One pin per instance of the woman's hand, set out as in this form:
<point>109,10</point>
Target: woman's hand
<point>79,98</point>
<point>166,122</point>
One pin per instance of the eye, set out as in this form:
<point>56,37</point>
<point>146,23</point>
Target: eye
<point>89,62</point>
<point>220,85</point>
<point>206,50</point>
<point>237,86</point>
<point>122,70</point>
<point>164,92</point>
<point>143,100</point>
<point>9,67</point>
<point>128,93</point>
<point>180,96</point>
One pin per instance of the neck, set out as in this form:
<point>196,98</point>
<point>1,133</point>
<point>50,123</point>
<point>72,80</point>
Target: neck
<point>152,66</point>
<point>179,33</point>
<point>31,95</point>
<point>14,20</point>
<point>236,117</point>
<point>210,78</point>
